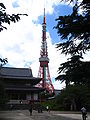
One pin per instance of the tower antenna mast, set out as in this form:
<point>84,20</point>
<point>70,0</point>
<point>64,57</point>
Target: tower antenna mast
<point>44,60</point>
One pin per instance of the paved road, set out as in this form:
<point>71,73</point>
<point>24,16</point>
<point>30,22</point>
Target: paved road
<point>24,115</point>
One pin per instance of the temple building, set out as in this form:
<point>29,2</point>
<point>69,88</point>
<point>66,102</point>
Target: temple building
<point>20,85</point>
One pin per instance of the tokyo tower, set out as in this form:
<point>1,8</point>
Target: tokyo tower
<point>44,60</point>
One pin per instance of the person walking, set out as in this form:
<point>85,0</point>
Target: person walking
<point>47,108</point>
<point>84,113</point>
<point>30,110</point>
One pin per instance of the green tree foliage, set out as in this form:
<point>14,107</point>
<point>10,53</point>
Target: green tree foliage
<point>75,40</point>
<point>3,62</point>
<point>7,18</point>
<point>76,74</point>
<point>74,30</point>
<point>74,71</point>
<point>73,98</point>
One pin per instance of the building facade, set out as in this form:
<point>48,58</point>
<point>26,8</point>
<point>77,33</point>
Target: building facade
<point>20,85</point>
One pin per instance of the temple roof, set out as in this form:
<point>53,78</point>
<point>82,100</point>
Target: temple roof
<point>24,88</point>
<point>22,74</point>
<point>16,72</point>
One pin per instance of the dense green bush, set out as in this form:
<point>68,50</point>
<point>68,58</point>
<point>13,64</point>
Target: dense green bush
<point>71,98</point>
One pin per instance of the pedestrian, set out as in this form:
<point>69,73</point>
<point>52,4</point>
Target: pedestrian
<point>30,110</point>
<point>20,101</point>
<point>47,108</point>
<point>11,106</point>
<point>41,109</point>
<point>84,113</point>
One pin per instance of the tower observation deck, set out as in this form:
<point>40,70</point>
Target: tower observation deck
<point>44,60</point>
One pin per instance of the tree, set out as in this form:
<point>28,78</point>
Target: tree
<point>3,62</point>
<point>73,98</point>
<point>6,18</point>
<point>68,69</point>
<point>74,30</point>
<point>75,71</point>
<point>75,41</point>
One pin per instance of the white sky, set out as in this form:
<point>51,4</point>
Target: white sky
<point>22,41</point>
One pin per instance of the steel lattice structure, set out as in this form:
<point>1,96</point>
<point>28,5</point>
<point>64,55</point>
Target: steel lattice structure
<point>44,60</point>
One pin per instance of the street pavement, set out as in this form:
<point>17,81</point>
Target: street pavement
<point>52,115</point>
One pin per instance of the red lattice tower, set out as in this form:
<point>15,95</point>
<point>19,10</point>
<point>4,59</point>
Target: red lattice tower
<point>44,60</point>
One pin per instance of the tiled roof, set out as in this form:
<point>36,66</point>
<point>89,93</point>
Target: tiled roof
<point>20,74</point>
<point>16,72</point>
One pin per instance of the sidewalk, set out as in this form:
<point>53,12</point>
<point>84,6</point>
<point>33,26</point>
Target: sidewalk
<point>53,115</point>
<point>14,115</point>
<point>68,114</point>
